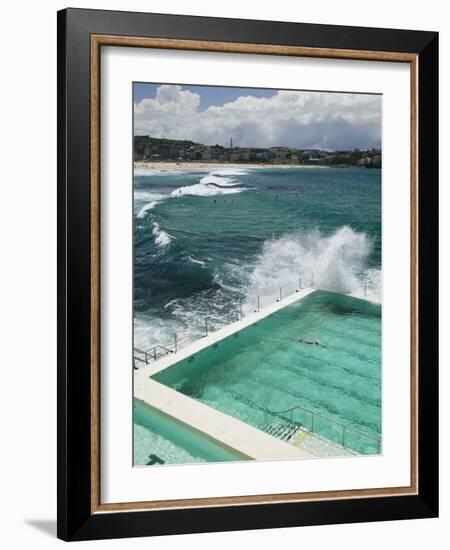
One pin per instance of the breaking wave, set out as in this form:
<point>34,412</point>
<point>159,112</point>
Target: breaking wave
<point>144,209</point>
<point>214,183</point>
<point>150,200</point>
<point>231,172</point>
<point>162,238</point>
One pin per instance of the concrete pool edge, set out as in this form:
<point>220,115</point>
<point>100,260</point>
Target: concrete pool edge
<point>161,364</point>
<point>221,428</point>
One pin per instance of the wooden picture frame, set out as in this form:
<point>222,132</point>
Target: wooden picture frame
<point>81,35</point>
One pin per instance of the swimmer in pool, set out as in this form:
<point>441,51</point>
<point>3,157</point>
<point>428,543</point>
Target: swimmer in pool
<point>309,342</point>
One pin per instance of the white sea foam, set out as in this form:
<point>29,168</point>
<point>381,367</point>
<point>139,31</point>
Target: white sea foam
<point>162,238</point>
<point>187,319</point>
<point>192,311</point>
<point>151,331</point>
<point>217,180</point>
<point>142,195</point>
<point>210,185</point>
<point>150,199</point>
<point>337,262</point>
<point>145,172</point>
<point>145,208</point>
<point>231,172</point>
<point>195,261</point>
<point>202,190</point>
<point>161,172</point>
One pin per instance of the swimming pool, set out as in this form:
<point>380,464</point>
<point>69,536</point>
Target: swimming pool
<point>160,440</point>
<point>315,363</point>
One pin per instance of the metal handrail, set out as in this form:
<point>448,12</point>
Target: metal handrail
<point>314,414</point>
<point>151,354</point>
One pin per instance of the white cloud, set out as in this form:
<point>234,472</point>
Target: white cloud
<point>297,119</point>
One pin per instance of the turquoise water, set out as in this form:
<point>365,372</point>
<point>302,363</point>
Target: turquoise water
<point>160,440</point>
<point>267,367</point>
<point>205,239</point>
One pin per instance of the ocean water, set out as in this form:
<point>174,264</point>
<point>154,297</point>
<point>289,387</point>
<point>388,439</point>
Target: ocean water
<point>206,239</point>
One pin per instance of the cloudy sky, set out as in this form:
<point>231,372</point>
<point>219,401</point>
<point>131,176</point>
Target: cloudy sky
<point>258,117</point>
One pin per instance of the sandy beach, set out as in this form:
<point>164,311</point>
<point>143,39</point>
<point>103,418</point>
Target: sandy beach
<point>213,165</point>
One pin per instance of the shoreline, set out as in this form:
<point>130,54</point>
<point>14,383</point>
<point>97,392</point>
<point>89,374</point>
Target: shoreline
<point>160,166</point>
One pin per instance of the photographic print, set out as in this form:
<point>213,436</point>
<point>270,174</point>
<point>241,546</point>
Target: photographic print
<point>257,274</point>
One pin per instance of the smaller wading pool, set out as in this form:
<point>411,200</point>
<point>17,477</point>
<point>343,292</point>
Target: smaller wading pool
<point>158,439</point>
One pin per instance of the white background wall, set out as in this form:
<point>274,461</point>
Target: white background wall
<point>28,271</point>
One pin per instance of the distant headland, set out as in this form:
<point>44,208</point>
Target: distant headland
<point>155,150</point>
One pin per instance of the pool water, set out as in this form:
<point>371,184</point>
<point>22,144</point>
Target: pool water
<point>160,440</point>
<point>270,366</point>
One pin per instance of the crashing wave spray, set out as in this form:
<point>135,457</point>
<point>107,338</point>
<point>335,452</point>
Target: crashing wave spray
<point>337,262</point>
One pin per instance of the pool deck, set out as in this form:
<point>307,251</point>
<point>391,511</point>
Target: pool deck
<point>233,434</point>
<point>157,366</point>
